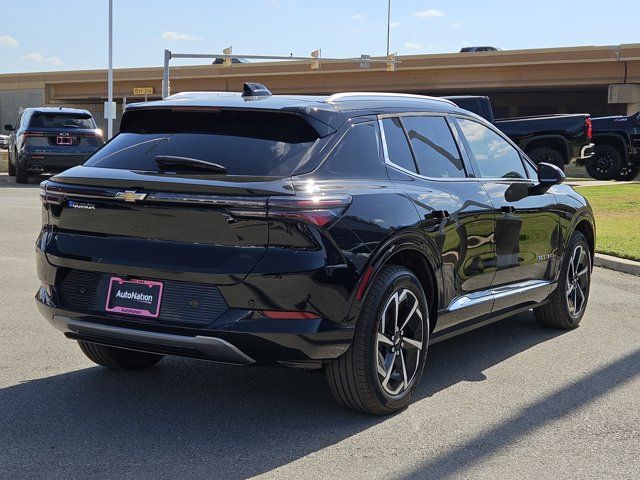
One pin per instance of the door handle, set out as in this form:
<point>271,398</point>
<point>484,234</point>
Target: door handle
<point>508,209</point>
<point>439,214</point>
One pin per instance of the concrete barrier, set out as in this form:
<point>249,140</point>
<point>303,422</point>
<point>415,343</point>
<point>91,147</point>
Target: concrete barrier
<point>4,159</point>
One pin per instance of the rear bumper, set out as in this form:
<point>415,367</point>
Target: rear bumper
<point>239,338</point>
<point>208,347</point>
<point>41,163</point>
<point>586,151</point>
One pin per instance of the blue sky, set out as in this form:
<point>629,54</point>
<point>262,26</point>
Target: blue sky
<point>39,35</point>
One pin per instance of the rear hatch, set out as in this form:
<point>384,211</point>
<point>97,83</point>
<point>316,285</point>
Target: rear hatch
<point>141,207</point>
<point>62,134</point>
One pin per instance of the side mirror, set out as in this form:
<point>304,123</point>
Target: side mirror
<point>549,175</point>
<point>9,128</point>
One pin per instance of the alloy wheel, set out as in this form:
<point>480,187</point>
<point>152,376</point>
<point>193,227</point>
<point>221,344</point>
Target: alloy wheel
<point>399,342</point>
<point>578,280</point>
<point>604,162</point>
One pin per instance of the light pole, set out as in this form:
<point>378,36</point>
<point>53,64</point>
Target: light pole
<point>110,75</point>
<point>388,24</point>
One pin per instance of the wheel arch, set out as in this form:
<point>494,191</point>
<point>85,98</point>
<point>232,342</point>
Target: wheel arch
<point>412,251</point>
<point>557,142</point>
<point>587,229</point>
<point>614,140</point>
<point>584,224</point>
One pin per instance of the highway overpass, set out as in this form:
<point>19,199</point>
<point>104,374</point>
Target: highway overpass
<point>600,80</point>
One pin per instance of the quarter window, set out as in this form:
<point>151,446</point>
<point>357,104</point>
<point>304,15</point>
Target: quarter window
<point>531,169</point>
<point>434,148</point>
<point>397,145</point>
<point>357,154</point>
<point>493,155</point>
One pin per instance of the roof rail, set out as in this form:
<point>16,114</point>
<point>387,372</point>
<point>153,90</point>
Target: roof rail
<point>344,95</point>
<point>182,95</point>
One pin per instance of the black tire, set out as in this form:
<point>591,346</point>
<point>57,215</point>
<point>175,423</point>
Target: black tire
<point>118,358</point>
<point>12,169</point>
<point>605,164</point>
<point>547,155</point>
<point>355,377</point>
<point>628,173</point>
<point>22,176</point>
<point>559,311</point>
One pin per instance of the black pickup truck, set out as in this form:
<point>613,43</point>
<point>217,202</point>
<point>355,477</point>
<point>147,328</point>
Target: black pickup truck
<point>617,150</point>
<point>50,140</point>
<point>556,139</point>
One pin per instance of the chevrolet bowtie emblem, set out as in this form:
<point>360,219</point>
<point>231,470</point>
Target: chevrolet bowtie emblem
<point>131,196</point>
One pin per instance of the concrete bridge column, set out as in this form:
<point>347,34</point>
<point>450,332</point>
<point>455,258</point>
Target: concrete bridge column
<point>628,93</point>
<point>632,108</point>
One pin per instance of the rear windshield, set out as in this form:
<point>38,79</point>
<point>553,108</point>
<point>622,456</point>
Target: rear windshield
<point>61,120</point>
<point>253,143</point>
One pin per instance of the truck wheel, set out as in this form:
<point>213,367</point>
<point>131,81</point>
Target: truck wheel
<point>605,164</point>
<point>547,155</point>
<point>568,301</point>
<point>628,173</point>
<point>380,371</point>
<point>118,358</point>
<point>12,169</point>
<point>22,176</point>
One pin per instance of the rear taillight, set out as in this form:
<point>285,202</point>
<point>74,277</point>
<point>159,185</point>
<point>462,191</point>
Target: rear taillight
<point>96,133</point>
<point>47,197</point>
<point>587,122</point>
<point>28,135</point>
<point>318,210</point>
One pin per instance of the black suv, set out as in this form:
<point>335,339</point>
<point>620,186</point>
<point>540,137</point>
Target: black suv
<point>342,233</point>
<point>51,139</point>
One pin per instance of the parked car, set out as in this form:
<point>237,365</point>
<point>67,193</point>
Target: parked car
<point>617,150</point>
<point>50,140</point>
<point>556,139</point>
<point>342,233</point>
<point>220,61</point>
<point>479,49</point>
<point>4,141</point>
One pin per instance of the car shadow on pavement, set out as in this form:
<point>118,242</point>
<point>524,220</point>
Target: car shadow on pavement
<point>187,418</point>
<point>7,181</point>
<point>527,421</point>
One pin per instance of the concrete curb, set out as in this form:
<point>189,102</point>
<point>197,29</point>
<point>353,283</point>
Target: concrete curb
<point>599,183</point>
<point>618,264</point>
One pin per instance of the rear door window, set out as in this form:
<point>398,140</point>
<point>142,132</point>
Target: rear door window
<point>248,143</point>
<point>22,120</point>
<point>434,148</point>
<point>397,145</point>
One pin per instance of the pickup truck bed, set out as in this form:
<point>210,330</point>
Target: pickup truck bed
<point>556,139</point>
<point>566,133</point>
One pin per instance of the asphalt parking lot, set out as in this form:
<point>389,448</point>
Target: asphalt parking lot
<point>511,400</point>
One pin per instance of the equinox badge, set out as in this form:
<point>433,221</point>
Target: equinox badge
<point>131,196</point>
